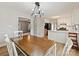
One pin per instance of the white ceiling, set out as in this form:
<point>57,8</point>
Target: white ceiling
<point>49,8</point>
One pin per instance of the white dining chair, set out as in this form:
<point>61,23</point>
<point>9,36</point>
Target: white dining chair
<point>10,46</point>
<point>67,47</point>
<point>18,35</point>
<point>12,49</point>
<point>51,51</point>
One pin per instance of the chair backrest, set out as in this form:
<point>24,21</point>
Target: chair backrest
<point>10,46</point>
<point>51,51</point>
<point>14,49</point>
<point>18,35</point>
<point>67,47</point>
<point>6,38</point>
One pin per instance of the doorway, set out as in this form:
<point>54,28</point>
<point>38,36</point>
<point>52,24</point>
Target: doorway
<point>24,25</point>
<point>46,28</point>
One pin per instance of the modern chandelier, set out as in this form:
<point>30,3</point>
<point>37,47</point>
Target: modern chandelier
<point>37,11</point>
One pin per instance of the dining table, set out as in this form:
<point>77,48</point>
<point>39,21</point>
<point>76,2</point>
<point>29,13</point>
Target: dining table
<point>33,44</point>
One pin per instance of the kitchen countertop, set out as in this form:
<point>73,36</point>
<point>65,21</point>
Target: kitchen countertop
<point>64,31</point>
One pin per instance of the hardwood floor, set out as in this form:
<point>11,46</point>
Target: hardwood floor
<point>73,52</point>
<point>3,51</point>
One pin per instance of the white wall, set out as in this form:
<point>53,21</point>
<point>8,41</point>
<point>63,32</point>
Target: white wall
<point>75,16</point>
<point>70,17</point>
<point>65,18</point>
<point>9,21</point>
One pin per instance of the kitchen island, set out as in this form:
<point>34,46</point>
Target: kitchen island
<point>61,36</point>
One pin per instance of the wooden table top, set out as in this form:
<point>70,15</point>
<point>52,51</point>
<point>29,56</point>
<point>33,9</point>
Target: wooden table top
<point>29,44</point>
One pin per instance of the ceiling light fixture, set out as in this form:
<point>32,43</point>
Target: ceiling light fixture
<point>37,11</point>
